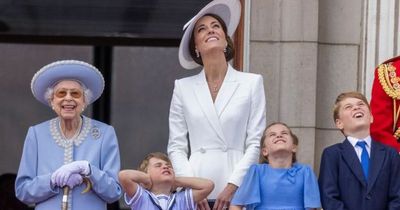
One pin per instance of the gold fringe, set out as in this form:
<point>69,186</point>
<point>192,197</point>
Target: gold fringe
<point>390,84</point>
<point>384,79</point>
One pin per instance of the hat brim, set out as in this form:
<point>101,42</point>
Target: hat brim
<point>228,10</point>
<point>57,71</point>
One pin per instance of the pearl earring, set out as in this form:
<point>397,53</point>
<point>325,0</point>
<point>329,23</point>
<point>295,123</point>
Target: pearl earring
<point>197,53</point>
<point>224,50</point>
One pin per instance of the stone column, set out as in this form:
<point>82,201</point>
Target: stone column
<point>283,48</point>
<point>339,41</point>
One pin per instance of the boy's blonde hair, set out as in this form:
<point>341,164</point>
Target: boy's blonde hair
<point>159,155</point>
<point>264,159</point>
<point>341,97</point>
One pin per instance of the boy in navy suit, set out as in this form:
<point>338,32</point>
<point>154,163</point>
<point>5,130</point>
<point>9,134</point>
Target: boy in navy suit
<point>359,173</point>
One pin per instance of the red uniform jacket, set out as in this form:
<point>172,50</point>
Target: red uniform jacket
<point>385,103</point>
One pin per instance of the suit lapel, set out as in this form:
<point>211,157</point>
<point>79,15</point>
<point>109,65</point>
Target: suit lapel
<point>204,99</point>
<point>376,161</point>
<point>351,159</point>
<point>227,90</point>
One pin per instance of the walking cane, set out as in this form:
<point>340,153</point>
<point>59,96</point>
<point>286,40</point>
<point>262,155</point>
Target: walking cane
<point>66,189</point>
<point>64,202</point>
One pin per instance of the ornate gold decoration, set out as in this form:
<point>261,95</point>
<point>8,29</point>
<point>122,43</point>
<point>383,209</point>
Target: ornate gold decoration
<point>389,80</point>
<point>390,84</point>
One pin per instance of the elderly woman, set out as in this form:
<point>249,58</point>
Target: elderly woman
<point>219,114</point>
<point>71,151</point>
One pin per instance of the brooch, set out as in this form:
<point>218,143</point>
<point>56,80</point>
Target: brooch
<point>95,132</point>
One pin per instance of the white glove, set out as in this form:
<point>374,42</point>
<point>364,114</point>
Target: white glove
<point>62,174</point>
<point>74,180</point>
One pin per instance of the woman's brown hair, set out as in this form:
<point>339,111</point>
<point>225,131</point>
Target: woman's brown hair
<point>230,50</point>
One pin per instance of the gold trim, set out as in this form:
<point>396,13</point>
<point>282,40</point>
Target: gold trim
<point>389,80</point>
<point>390,84</point>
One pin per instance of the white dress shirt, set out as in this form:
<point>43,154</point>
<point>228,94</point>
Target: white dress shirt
<point>353,141</point>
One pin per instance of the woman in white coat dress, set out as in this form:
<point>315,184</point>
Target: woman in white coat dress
<point>217,116</point>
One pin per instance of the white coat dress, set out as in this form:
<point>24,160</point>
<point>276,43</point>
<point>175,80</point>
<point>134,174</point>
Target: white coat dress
<point>223,136</point>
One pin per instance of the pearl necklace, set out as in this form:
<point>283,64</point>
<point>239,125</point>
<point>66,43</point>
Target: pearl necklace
<point>58,136</point>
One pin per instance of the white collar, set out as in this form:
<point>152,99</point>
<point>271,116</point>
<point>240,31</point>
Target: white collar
<point>353,141</point>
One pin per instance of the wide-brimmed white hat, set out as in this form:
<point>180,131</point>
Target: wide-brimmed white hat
<point>55,72</point>
<point>228,10</point>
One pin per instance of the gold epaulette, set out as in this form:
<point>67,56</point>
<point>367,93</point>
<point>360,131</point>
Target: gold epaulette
<point>389,80</point>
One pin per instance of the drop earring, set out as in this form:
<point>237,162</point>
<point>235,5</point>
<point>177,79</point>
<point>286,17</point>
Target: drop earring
<point>197,53</point>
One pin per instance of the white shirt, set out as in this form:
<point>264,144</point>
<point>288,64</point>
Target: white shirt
<point>163,201</point>
<point>353,141</point>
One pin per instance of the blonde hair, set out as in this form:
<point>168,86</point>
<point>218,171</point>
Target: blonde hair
<point>159,155</point>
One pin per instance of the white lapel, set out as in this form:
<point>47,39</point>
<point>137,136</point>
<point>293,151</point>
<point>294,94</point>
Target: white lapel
<point>203,96</point>
<point>228,88</point>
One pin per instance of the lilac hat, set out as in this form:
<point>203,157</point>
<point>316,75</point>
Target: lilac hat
<point>228,10</point>
<point>55,72</point>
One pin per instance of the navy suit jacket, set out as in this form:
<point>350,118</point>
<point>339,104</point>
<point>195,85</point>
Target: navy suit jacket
<point>342,183</point>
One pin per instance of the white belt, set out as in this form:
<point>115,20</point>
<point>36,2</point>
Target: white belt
<point>222,148</point>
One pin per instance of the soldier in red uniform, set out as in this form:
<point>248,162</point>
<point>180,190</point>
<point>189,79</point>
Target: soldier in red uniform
<point>385,103</point>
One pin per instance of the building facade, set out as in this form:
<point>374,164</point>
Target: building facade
<point>308,52</point>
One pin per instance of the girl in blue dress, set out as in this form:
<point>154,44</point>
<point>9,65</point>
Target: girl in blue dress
<point>278,182</point>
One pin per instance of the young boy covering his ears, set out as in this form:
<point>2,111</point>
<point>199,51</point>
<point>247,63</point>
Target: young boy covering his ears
<point>152,186</point>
